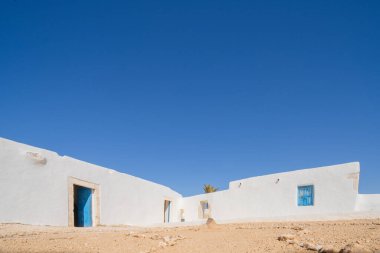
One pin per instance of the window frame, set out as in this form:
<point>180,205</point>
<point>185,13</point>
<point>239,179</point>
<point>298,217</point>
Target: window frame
<point>305,186</point>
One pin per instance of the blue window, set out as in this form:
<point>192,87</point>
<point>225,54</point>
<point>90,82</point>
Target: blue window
<point>306,195</point>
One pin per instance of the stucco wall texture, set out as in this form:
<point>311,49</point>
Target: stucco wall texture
<point>35,189</point>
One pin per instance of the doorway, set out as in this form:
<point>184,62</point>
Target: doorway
<point>167,205</point>
<point>83,203</point>
<point>204,210</point>
<point>82,206</point>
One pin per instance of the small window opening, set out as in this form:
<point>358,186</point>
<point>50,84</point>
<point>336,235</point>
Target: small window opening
<point>306,195</point>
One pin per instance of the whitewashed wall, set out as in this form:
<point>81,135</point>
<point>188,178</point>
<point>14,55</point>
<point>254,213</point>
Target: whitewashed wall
<point>34,193</point>
<point>368,203</point>
<point>271,196</point>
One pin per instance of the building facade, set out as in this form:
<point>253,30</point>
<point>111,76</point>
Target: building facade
<point>42,188</point>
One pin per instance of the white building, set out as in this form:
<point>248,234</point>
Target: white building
<point>40,187</point>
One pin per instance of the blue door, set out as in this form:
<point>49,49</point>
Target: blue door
<point>83,208</point>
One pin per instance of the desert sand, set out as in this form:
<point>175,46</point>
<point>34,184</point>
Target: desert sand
<point>323,236</point>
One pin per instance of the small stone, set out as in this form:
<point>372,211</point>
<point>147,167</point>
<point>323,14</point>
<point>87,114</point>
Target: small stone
<point>211,223</point>
<point>286,237</point>
<point>155,237</point>
<point>161,244</point>
<point>303,232</point>
<point>138,236</point>
<point>328,249</point>
<point>318,247</point>
<point>310,246</point>
<point>355,248</point>
<point>167,239</point>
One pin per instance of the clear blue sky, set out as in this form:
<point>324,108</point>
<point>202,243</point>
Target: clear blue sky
<point>191,92</point>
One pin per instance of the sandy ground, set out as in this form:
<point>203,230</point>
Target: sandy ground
<point>246,237</point>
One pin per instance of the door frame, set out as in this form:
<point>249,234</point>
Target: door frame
<point>94,198</point>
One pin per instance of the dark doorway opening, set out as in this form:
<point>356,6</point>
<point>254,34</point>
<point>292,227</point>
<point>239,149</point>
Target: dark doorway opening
<point>167,205</point>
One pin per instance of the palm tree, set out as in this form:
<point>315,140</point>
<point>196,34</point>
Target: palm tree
<point>207,188</point>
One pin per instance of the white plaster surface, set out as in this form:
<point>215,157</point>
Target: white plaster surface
<point>368,203</point>
<point>35,193</point>
<point>335,191</point>
<point>34,187</point>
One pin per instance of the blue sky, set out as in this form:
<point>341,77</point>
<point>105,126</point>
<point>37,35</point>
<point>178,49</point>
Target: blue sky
<point>187,93</point>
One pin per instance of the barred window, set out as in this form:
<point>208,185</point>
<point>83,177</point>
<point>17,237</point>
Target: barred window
<point>306,195</point>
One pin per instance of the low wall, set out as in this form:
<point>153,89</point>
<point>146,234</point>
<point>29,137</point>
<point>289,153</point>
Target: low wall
<point>368,203</point>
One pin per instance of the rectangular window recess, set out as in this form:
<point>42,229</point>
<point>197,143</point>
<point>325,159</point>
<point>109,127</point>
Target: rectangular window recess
<point>306,195</point>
